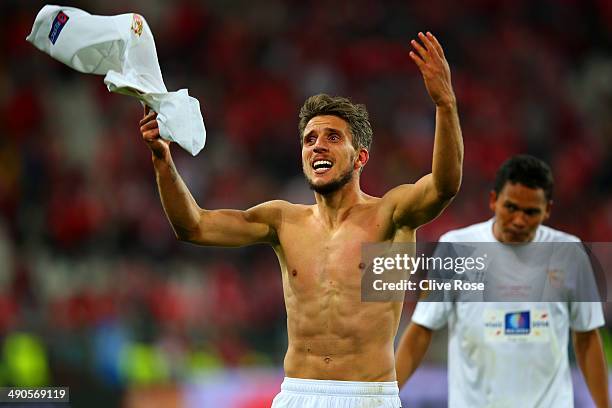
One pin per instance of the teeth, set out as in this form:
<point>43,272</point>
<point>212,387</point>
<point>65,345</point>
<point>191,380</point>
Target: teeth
<point>321,163</point>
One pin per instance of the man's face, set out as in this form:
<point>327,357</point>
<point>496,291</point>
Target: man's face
<point>329,158</point>
<point>519,210</point>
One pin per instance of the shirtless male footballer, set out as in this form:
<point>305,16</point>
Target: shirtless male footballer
<point>340,350</point>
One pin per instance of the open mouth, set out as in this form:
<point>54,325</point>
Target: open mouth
<point>321,166</point>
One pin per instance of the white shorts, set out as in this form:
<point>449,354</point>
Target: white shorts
<point>300,393</point>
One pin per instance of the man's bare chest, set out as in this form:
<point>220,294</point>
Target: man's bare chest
<point>313,253</point>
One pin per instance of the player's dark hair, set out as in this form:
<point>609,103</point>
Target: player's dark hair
<point>355,115</point>
<point>526,170</point>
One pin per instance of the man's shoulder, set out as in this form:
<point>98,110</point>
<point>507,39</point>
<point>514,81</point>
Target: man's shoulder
<point>278,204</point>
<point>284,206</point>
<point>548,234</point>
<point>276,212</point>
<point>472,233</point>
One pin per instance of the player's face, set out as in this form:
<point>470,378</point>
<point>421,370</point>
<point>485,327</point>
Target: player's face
<point>329,159</point>
<point>519,210</point>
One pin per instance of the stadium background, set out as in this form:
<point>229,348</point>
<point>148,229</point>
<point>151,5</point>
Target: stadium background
<point>95,292</point>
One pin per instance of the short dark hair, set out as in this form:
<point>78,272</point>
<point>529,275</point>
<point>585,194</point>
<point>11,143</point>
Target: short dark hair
<point>354,114</point>
<point>526,170</point>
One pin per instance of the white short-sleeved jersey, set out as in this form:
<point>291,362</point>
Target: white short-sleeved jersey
<point>488,367</point>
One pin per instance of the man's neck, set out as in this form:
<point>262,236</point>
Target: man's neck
<point>334,207</point>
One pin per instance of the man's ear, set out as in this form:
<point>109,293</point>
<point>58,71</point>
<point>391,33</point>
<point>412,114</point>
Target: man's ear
<point>548,209</point>
<point>492,200</point>
<point>362,158</point>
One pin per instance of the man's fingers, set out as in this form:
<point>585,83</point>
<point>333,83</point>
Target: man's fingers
<point>436,44</point>
<point>431,49</point>
<point>419,49</point>
<point>417,60</point>
<point>149,125</point>
<point>149,129</point>
<point>151,115</point>
<point>145,119</point>
<point>150,135</point>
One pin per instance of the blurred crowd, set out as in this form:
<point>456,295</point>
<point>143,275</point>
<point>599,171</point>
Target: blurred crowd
<point>95,289</point>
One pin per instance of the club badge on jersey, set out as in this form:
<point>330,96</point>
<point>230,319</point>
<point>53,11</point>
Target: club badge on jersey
<point>137,25</point>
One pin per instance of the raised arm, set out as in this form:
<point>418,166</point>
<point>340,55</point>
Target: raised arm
<point>592,362</point>
<point>419,203</point>
<point>194,224</point>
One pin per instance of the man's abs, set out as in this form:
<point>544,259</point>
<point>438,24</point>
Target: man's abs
<point>335,361</point>
<point>351,342</point>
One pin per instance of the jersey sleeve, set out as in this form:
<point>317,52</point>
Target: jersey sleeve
<point>433,315</point>
<point>585,316</point>
<point>581,282</point>
<point>586,312</point>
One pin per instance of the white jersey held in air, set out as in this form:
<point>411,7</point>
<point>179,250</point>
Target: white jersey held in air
<point>489,367</point>
<point>122,48</point>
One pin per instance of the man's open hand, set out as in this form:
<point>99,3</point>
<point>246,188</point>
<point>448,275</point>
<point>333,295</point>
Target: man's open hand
<point>429,57</point>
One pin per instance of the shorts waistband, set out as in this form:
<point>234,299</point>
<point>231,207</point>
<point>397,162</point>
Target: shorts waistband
<point>333,387</point>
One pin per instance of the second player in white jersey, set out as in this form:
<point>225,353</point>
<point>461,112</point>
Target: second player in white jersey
<point>508,369</point>
<point>512,354</point>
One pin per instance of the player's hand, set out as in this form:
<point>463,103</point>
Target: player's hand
<point>149,128</point>
<point>429,57</point>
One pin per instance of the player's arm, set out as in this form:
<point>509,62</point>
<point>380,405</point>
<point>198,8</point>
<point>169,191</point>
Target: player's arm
<point>410,351</point>
<point>592,362</point>
<point>419,203</point>
<point>194,224</point>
